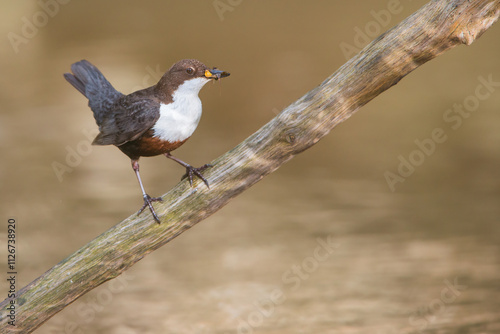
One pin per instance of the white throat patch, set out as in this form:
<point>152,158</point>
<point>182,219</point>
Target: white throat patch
<point>179,119</point>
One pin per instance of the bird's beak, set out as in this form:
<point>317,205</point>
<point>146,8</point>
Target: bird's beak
<point>215,74</point>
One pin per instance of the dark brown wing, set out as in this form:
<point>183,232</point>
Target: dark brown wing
<point>132,115</point>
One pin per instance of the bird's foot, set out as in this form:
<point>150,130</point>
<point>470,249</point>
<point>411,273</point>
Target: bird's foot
<point>191,172</point>
<point>148,201</point>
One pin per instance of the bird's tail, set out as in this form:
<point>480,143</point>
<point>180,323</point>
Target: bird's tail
<point>89,81</point>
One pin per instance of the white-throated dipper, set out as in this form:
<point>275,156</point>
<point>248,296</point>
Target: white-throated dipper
<point>151,121</point>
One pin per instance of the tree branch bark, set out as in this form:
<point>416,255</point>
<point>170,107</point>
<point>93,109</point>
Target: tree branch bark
<point>435,28</point>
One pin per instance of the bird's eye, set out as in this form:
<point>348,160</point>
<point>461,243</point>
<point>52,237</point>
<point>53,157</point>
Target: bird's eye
<point>190,70</point>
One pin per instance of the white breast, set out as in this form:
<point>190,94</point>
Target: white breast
<point>179,119</point>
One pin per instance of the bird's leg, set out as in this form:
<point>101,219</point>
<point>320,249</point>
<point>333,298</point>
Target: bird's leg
<point>190,170</point>
<point>147,199</point>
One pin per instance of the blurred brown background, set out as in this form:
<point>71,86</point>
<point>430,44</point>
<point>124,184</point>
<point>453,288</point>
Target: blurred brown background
<point>323,245</point>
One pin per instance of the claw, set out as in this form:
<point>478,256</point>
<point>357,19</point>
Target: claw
<point>191,172</point>
<point>148,201</point>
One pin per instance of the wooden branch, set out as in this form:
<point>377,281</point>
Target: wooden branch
<point>432,30</point>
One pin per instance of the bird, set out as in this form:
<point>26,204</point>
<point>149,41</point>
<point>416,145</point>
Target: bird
<point>151,121</point>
